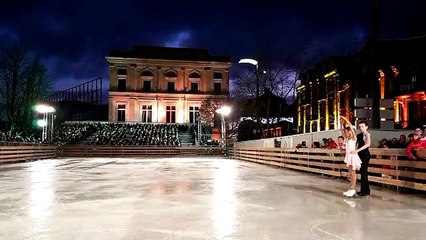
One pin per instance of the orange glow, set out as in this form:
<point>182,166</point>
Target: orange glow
<point>404,109</point>
<point>382,87</point>
<point>396,111</point>
<point>403,96</point>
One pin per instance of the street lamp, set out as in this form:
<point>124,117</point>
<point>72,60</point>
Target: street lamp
<point>45,110</point>
<point>223,111</point>
<point>255,63</point>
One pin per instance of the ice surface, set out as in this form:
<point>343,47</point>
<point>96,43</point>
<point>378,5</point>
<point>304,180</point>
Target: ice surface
<point>191,199</point>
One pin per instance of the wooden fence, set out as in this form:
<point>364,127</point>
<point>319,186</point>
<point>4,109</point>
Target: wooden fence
<point>20,153</point>
<point>387,166</point>
<point>136,151</point>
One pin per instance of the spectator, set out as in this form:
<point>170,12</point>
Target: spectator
<point>316,145</point>
<point>383,143</point>
<point>325,142</point>
<point>331,144</point>
<point>415,144</point>
<point>341,143</point>
<point>393,143</point>
<point>410,137</point>
<point>402,142</point>
<point>302,145</point>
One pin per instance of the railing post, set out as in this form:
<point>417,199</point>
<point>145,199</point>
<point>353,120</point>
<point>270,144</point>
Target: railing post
<point>397,171</point>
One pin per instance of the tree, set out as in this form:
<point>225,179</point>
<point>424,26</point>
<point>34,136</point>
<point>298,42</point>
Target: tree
<point>209,107</point>
<point>23,82</point>
<point>277,84</point>
<point>208,113</point>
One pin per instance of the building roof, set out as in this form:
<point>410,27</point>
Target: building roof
<point>169,53</point>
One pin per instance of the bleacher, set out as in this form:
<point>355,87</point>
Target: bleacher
<point>134,134</point>
<point>104,133</point>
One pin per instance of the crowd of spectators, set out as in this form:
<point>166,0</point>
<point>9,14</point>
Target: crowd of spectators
<point>135,134</point>
<point>394,142</point>
<point>328,143</point>
<point>104,133</point>
<point>415,141</point>
<point>8,139</point>
<point>71,133</point>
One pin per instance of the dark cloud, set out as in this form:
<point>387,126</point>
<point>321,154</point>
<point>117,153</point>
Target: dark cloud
<point>73,37</point>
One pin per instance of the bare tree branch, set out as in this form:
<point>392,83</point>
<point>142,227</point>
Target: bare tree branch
<point>23,82</point>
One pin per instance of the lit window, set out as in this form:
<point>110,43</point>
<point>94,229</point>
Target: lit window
<point>146,113</point>
<point>194,112</point>
<point>171,114</point>
<point>121,113</point>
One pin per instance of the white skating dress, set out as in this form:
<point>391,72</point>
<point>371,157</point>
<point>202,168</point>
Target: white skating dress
<point>352,159</point>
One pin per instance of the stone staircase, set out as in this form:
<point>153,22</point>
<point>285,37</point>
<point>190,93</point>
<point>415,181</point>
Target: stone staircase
<point>186,138</point>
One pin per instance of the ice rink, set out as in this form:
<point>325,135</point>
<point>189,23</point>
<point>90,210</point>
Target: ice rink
<point>192,199</point>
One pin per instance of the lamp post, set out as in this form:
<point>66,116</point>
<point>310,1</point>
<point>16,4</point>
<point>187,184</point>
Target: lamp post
<point>44,123</point>
<point>223,111</point>
<point>255,63</point>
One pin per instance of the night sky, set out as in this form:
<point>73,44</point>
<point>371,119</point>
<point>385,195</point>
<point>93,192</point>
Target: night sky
<point>73,37</point>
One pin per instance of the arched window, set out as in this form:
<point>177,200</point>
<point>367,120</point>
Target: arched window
<point>194,78</point>
<point>146,79</point>
<point>217,75</point>
<point>170,73</point>
<point>147,73</point>
<point>195,74</point>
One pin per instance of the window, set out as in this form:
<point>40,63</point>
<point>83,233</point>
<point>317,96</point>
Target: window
<point>171,74</point>
<point>217,75</point>
<point>121,113</point>
<point>170,87</point>
<point>195,75</point>
<point>171,114</point>
<point>147,86</point>
<point>146,73</point>
<point>194,112</point>
<point>146,113</point>
<point>217,87</point>
<point>194,87</point>
<point>122,85</point>
<point>121,71</point>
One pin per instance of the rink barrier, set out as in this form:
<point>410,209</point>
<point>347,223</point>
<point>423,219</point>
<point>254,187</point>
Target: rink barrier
<point>387,166</point>
<point>136,151</point>
<point>22,153</point>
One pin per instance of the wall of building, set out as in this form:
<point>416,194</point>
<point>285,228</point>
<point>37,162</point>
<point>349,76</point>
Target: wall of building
<point>159,98</point>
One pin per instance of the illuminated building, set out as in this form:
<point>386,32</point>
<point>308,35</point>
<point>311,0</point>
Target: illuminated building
<point>342,86</point>
<point>163,85</point>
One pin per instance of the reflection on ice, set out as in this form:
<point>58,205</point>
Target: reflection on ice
<point>224,199</point>
<point>42,190</point>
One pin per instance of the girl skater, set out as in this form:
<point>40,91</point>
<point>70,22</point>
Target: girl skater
<point>352,160</point>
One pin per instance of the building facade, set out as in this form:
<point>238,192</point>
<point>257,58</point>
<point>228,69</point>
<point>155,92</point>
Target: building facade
<point>163,85</point>
<point>323,96</point>
<point>390,70</point>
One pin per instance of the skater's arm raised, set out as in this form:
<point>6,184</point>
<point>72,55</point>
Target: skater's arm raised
<point>350,126</point>
<point>342,126</point>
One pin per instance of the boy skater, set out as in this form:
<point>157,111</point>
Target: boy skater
<point>364,142</point>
